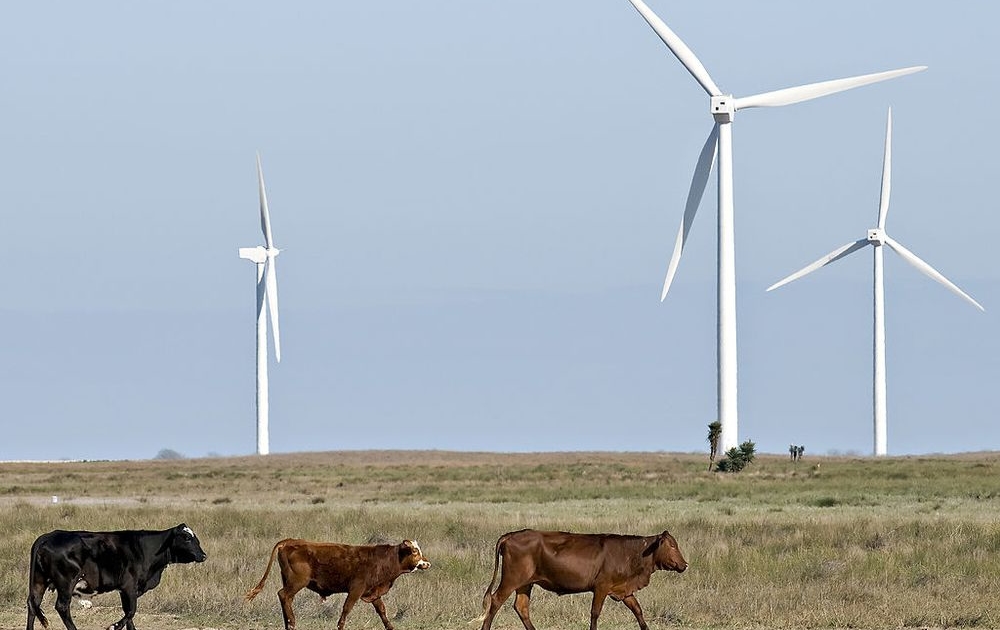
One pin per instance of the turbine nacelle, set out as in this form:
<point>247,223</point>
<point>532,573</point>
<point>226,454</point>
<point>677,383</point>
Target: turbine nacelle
<point>876,237</point>
<point>259,254</point>
<point>723,108</point>
<point>256,254</point>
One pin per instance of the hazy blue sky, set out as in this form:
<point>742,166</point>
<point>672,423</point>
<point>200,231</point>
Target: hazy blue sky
<point>476,203</point>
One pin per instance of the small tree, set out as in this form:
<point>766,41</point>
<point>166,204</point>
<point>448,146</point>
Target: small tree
<point>737,458</point>
<point>168,453</point>
<point>714,435</point>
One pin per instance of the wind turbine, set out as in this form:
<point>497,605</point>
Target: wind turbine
<point>267,291</point>
<point>877,237</point>
<point>719,145</point>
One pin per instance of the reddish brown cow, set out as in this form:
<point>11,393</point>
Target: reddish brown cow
<point>604,564</point>
<point>363,572</point>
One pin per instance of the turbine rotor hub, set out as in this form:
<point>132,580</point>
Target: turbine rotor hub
<point>723,108</point>
<point>876,236</point>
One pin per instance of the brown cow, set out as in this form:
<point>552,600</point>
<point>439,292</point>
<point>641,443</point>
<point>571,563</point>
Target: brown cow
<point>564,563</point>
<point>363,572</point>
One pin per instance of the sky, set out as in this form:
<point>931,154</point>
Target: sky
<point>476,203</point>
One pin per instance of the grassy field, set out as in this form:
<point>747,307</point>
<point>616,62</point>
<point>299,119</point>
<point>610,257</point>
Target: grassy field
<point>824,543</point>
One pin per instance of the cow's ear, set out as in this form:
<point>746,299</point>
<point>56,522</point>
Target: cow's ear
<point>405,549</point>
<point>653,546</point>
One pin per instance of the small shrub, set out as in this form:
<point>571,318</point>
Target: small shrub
<point>168,453</point>
<point>737,458</point>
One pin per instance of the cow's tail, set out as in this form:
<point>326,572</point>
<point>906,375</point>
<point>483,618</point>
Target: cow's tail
<point>260,585</point>
<point>35,603</point>
<point>496,569</point>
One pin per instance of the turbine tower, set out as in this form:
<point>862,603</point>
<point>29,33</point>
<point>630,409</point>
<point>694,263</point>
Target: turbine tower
<point>877,237</point>
<point>723,108</point>
<point>267,292</point>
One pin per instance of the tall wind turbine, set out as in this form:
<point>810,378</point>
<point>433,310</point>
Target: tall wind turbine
<point>719,145</point>
<point>267,292</point>
<point>877,237</point>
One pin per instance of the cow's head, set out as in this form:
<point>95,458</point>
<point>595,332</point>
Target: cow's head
<point>184,545</point>
<point>666,554</point>
<point>410,556</point>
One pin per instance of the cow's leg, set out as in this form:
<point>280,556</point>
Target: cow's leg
<point>35,594</point>
<point>64,599</point>
<point>521,602</point>
<point>352,598</point>
<point>497,599</point>
<point>129,600</point>
<point>380,609</point>
<point>633,605</point>
<point>596,606</point>
<point>286,594</point>
<point>510,580</point>
<point>490,612</point>
<point>31,613</point>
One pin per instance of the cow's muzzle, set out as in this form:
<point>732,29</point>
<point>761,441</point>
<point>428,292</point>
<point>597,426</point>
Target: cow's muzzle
<point>423,565</point>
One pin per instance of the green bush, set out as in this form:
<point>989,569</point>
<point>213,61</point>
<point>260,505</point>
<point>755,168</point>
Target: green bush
<point>737,458</point>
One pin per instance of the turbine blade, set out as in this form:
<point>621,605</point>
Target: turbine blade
<point>679,48</point>
<point>929,271</point>
<point>835,255</point>
<point>265,217</point>
<point>271,278</point>
<point>701,172</point>
<point>801,93</point>
<point>883,198</point>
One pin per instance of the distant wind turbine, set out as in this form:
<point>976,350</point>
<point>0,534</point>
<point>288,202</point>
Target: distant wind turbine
<point>720,146</point>
<point>877,237</point>
<point>267,291</point>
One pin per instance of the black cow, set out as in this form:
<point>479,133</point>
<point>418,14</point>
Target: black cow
<point>84,563</point>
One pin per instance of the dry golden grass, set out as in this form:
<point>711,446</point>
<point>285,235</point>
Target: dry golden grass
<point>826,543</point>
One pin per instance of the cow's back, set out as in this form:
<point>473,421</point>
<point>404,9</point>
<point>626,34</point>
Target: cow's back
<point>564,562</point>
<point>100,559</point>
<point>325,568</point>
<point>557,561</point>
<point>58,547</point>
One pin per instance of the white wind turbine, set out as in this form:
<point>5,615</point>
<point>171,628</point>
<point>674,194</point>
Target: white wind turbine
<point>720,144</point>
<point>267,291</point>
<point>877,237</point>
